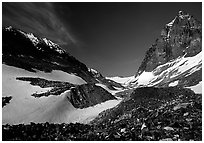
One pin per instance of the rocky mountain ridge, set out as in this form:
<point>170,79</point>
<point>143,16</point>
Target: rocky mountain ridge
<point>181,37</point>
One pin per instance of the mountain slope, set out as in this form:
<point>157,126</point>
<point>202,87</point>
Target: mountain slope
<point>176,56</point>
<point>26,51</point>
<point>44,83</point>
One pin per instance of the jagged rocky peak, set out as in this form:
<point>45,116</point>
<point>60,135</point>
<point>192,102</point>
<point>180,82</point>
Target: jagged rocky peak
<point>36,41</point>
<point>181,37</point>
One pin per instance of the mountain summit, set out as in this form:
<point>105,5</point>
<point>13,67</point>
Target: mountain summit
<point>175,55</point>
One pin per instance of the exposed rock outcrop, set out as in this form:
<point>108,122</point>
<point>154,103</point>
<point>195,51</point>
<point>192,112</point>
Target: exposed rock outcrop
<point>86,95</point>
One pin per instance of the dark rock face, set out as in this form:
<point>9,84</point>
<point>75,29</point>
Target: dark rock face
<point>86,95</point>
<point>81,96</point>
<point>57,87</point>
<point>182,36</point>
<point>6,100</point>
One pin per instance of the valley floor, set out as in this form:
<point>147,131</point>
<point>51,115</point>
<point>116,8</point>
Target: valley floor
<point>173,114</point>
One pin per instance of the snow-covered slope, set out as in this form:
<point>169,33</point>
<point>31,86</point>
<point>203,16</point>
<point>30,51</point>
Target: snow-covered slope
<point>175,59</point>
<point>10,72</point>
<point>177,72</point>
<point>24,108</point>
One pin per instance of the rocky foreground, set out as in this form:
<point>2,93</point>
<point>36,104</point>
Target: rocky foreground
<point>149,113</point>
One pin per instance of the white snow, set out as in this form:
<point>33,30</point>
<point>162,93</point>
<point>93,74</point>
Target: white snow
<point>34,39</point>
<point>24,108</point>
<point>93,70</point>
<point>188,63</point>
<point>113,92</point>
<point>122,80</point>
<point>184,66</point>
<point>9,28</point>
<point>174,83</point>
<point>145,78</point>
<point>181,65</point>
<point>49,42</point>
<point>53,45</point>
<point>54,109</point>
<point>197,88</point>
<point>171,23</point>
<point>56,75</point>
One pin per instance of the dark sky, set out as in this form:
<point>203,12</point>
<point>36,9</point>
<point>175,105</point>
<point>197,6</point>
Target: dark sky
<point>109,37</point>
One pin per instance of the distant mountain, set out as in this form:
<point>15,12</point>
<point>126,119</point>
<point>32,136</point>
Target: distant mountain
<point>175,58</point>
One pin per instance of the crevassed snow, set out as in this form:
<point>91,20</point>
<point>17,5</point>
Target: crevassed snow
<point>197,88</point>
<point>174,83</point>
<point>24,108</point>
<point>55,75</point>
<point>122,80</point>
<point>113,92</point>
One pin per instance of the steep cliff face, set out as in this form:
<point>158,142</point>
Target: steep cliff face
<point>181,37</point>
<point>86,95</point>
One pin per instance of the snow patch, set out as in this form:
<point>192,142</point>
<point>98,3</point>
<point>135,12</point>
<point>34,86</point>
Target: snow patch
<point>174,83</point>
<point>145,78</point>
<point>34,39</point>
<point>53,45</point>
<point>55,75</point>
<point>170,24</point>
<point>93,70</point>
<point>197,88</point>
<point>122,80</point>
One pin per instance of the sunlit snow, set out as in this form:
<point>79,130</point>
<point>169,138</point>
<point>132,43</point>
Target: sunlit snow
<point>197,88</point>
<point>56,75</point>
<point>174,83</point>
<point>24,108</point>
<point>122,80</point>
<point>145,78</point>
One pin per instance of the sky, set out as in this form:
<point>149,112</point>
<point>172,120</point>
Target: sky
<point>109,37</point>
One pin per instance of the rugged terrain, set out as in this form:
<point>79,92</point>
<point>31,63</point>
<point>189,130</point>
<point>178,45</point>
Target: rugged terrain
<point>65,100</point>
